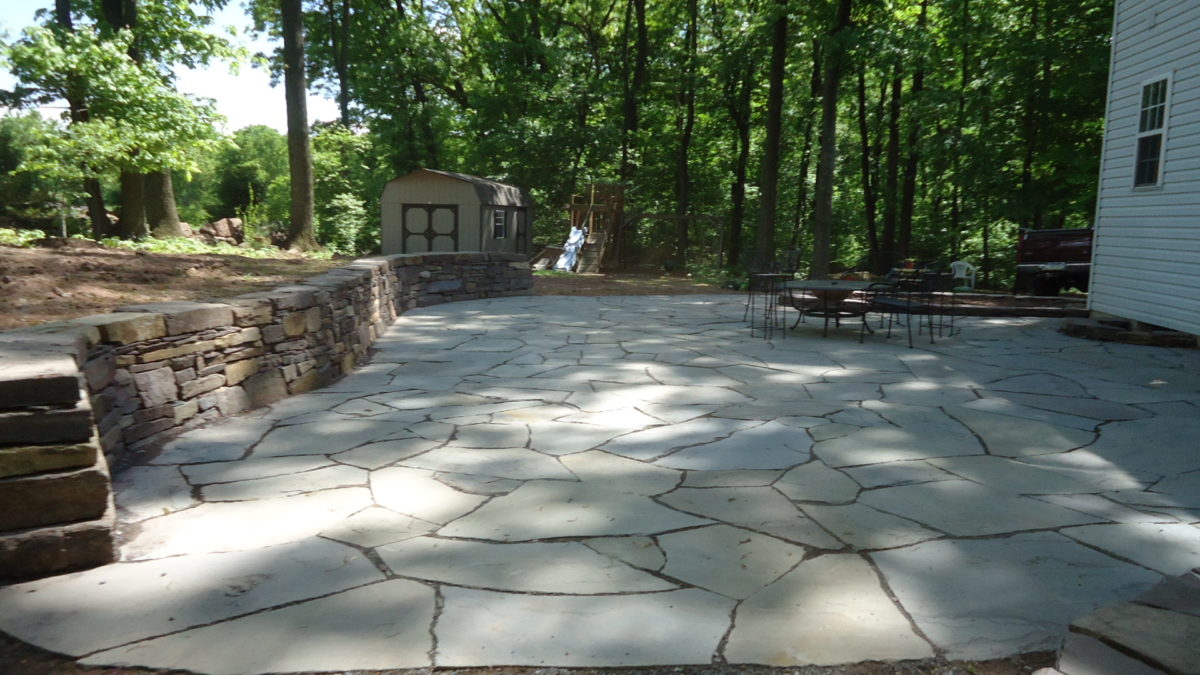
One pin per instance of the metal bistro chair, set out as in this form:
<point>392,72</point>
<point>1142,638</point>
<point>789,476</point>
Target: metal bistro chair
<point>912,297</point>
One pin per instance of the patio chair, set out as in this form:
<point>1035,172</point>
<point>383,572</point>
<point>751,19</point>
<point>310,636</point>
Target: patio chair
<point>899,303</point>
<point>964,271</point>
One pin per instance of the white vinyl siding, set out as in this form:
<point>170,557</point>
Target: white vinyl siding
<point>1146,258</point>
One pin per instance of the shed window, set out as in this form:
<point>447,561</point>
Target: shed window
<point>1152,129</point>
<point>499,224</point>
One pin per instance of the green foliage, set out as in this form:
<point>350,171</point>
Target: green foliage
<point>342,224</point>
<point>186,245</point>
<point>19,238</point>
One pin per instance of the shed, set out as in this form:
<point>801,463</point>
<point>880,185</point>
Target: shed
<point>440,211</point>
<point>1146,255</point>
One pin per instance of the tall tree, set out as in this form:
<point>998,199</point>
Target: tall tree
<point>823,208</point>
<point>300,230</point>
<point>764,249</point>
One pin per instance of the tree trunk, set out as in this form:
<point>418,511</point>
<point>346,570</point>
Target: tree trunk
<point>300,230</point>
<point>823,208</point>
<point>867,177</point>
<point>739,113</point>
<point>802,185</point>
<point>683,178</point>
<point>635,84</point>
<point>889,249</point>
<point>909,188</point>
<point>132,221</point>
<point>764,249</point>
<point>161,216</point>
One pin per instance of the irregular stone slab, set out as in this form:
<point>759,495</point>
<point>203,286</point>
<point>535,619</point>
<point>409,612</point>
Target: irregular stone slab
<point>460,412</point>
<point>424,400</point>
<point>877,445</point>
<point>863,527</point>
<point>655,442</point>
<point>676,414</point>
<point>768,446</point>
<point>727,560</point>
<point>844,391</point>
<point>1001,406</point>
<point>830,610</point>
<point>433,431</point>
<point>517,463</point>
<point>478,628</point>
<point>565,438</point>
<point>535,413</point>
<point>772,409</point>
<point>830,431</point>
<point>248,469</point>
<point>967,509</point>
<point>673,394</point>
<point>377,455</point>
<point>229,440</point>
<point>897,473</point>
<point>1177,594</point>
<point>857,417</point>
<point>756,508</point>
<point>988,598</point>
<point>361,407</point>
<point>732,478</point>
<point>322,438</point>
<point>143,492</point>
<point>380,626</point>
<point>1018,477</point>
<point>816,482</point>
<point>376,526</point>
<point>927,393</point>
<point>803,422</point>
<point>310,402</point>
<point>416,493</point>
<point>622,474</point>
<point>641,552</point>
<point>491,436</point>
<point>510,392</point>
<point>239,526</point>
<point>1170,548</point>
<point>479,485</point>
<point>1093,408</point>
<point>1011,436</point>
<point>1161,445</point>
<point>1185,488</point>
<point>1044,384</point>
<point>115,604</point>
<point>337,476</point>
<point>550,509</point>
<point>625,418</point>
<point>1103,509</point>
<point>568,568</point>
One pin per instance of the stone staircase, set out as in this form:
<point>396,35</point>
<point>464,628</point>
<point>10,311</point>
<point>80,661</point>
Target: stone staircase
<point>56,508</point>
<point>1158,632</point>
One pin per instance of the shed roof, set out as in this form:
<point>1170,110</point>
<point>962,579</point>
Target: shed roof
<point>489,191</point>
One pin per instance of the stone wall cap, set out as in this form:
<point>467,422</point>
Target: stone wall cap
<point>122,328</point>
<point>187,317</point>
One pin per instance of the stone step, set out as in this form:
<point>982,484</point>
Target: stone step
<point>1159,632</point>
<point>30,376</point>
<point>58,497</point>
<point>47,424</point>
<point>28,460</point>
<point>54,549</point>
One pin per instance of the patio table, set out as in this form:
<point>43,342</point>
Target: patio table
<point>833,294</point>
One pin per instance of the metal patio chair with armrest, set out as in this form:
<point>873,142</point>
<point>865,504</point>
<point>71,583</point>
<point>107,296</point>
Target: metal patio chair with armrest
<point>900,302</point>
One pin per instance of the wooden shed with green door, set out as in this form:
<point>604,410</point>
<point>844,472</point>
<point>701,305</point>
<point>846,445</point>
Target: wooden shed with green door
<point>430,211</point>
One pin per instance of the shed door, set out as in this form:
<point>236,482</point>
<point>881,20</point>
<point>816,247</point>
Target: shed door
<point>429,228</point>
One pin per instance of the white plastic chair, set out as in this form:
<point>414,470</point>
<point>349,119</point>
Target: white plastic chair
<point>960,269</point>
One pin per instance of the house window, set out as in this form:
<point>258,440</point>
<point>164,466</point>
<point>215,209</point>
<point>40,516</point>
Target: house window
<point>499,223</point>
<point>1152,128</point>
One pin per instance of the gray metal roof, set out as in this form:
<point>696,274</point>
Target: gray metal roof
<point>489,191</point>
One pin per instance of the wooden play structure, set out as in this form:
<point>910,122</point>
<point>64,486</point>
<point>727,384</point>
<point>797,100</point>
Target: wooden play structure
<point>601,209</point>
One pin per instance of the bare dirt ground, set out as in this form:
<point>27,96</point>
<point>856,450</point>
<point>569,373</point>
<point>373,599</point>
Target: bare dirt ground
<point>48,284</point>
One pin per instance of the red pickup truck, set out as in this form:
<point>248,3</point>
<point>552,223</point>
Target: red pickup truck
<point>1049,261</point>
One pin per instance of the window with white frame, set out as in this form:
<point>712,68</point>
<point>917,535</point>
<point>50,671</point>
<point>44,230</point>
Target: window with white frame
<point>1152,133</point>
<point>499,223</point>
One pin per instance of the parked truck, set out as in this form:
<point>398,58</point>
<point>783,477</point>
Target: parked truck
<point>1049,261</point>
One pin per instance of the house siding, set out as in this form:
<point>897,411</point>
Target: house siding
<point>1146,259</point>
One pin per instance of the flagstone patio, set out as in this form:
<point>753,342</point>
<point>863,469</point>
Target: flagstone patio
<point>635,481</point>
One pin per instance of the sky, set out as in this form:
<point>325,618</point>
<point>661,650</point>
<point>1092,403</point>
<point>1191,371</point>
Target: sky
<point>244,99</point>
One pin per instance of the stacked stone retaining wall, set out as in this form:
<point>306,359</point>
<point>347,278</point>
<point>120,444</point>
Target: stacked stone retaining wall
<point>78,396</point>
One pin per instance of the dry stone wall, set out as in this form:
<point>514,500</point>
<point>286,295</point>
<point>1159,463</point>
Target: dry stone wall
<point>78,396</point>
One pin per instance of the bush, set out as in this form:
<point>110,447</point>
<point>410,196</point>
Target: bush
<point>19,238</point>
